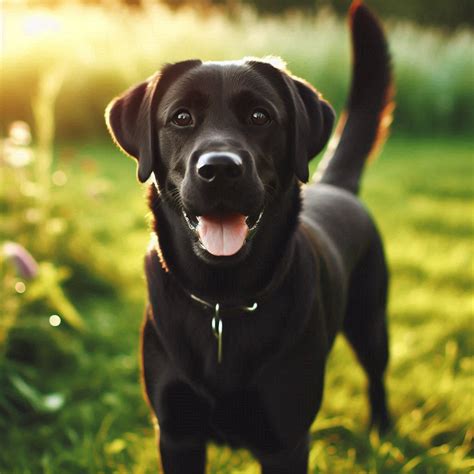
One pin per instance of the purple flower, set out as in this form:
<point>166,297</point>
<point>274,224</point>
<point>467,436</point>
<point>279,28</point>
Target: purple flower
<point>24,263</point>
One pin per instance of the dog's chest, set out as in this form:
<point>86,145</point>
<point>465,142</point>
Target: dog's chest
<point>225,353</point>
<point>248,340</point>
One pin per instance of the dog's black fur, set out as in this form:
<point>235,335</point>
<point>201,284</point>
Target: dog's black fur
<point>314,265</point>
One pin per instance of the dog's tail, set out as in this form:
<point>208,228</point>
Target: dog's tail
<point>362,129</point>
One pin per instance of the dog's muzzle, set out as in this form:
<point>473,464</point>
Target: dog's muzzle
<point>221,202</point>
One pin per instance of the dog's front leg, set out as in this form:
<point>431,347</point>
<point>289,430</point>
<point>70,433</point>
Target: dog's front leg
<point>181,412</point>
<point>182,457</point>
<point>290,461</point>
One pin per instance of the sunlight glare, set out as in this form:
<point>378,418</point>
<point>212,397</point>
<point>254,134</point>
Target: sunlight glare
<point>40,23</point>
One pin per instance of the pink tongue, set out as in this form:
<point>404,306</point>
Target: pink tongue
<point>222,236</point>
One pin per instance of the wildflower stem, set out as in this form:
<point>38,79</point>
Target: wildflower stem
<point>44,111</point>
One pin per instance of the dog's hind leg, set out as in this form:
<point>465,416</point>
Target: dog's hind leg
<point>365,327</point>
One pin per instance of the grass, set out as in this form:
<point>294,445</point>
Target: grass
<point>76,404</point>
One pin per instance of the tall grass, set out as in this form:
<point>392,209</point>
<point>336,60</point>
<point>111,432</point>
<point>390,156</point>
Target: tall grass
<point>104,50</point>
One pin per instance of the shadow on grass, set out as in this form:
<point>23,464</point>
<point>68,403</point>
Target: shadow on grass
<point>448,279</point>
<point>441,192</point>
<point>436,226</point>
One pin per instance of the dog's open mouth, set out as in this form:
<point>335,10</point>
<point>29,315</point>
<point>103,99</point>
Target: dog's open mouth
<point>223,235</point>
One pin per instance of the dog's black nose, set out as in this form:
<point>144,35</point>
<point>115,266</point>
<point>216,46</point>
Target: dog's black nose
<point>219,165</point>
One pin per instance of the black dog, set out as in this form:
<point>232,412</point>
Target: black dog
<point>252,275</point>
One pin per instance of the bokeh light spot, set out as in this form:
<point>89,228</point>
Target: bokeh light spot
<point>59,178</point>
<point>30,189</point>
<point>32,215</point>
<point>55,226</point>
<point>17,156</point>
<point>20,133</point>
<point>20,287</point>
<point>54,320</point>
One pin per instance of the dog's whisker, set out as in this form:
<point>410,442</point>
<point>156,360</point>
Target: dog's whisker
<point>174,196</point>
<point>270,193</point>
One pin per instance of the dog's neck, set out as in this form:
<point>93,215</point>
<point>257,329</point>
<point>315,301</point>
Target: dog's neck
<point>240,282</point>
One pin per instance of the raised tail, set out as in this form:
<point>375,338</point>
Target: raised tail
<point>362,129</point>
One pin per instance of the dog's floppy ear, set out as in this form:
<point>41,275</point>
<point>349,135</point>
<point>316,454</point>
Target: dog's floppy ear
<point>131,117</point>
<point>131,124</point>
<point>312,122</point>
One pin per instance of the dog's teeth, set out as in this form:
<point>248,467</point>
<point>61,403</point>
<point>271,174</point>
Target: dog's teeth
<point>192,224</point>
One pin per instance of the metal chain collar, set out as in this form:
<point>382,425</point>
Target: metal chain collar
<point>217,325</point>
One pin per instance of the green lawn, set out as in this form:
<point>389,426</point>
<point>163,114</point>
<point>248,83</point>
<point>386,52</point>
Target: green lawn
<point>74,403</point>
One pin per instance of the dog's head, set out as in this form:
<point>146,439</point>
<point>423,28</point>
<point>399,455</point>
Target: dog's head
<point>222,140</point>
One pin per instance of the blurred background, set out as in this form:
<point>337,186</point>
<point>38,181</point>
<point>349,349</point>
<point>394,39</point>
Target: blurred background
<point>74,227</point>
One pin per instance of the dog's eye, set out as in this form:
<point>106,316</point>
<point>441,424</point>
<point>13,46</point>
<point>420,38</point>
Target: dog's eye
<point>259,117</point>
<point>182,118</point>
